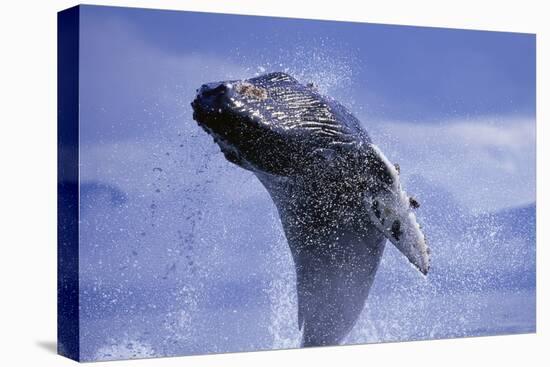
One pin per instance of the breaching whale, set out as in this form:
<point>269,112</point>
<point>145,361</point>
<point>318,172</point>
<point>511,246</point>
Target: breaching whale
<point>338,197</point>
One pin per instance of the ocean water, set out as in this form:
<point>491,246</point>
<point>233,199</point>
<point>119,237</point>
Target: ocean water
<point>199,264</point>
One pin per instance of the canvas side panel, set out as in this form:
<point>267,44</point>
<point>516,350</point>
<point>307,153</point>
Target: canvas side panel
<point>67,183</point>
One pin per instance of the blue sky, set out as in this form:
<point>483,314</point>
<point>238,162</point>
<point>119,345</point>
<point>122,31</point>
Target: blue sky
<point>400,72</point>
<point>469,95</point>
<point>455,108</point>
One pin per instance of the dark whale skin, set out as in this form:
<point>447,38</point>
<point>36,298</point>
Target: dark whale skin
<point>320,168</point>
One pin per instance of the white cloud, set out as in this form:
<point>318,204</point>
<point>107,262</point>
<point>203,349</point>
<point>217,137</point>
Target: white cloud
<point>487,163</point>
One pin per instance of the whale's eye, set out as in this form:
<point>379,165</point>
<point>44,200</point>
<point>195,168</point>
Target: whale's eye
<point>251,91</point>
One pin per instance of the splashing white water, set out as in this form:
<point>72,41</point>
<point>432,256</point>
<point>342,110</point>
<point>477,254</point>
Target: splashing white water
<point>179,323</point>
<point>283,317</point>
<point>325,63</point>
<point>126,348</point>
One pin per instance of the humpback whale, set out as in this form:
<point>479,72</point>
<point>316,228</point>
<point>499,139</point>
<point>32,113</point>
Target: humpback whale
<point>338,197</point>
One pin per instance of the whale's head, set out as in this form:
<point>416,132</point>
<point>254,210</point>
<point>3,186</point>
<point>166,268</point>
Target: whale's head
<point>274,124</point>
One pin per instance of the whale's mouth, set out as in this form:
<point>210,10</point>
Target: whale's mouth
<point>210,113</point>
<point>208,106</point>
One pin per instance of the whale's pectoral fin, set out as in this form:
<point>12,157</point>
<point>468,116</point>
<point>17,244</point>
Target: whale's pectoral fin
<point>334,276</point>
<point>390,210</point>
